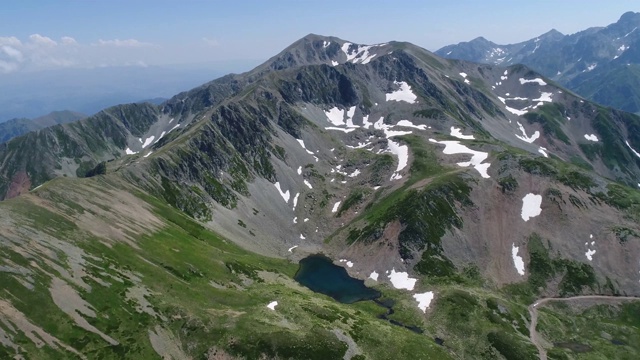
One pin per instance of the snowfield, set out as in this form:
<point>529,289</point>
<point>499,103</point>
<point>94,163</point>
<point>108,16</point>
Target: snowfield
<point>401,280</point>
<point>531,206</point>
<point>424,300</point>
<point>404,94</point>
<point>477,158</point>
<point>335,116</point>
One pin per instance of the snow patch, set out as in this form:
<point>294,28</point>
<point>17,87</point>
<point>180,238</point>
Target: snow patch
<point>335,116</point>
<point>148,141</point>
<point>591,137</point>
<point>457,132</point>
<point>285,194</point>
<point>365,122</point>
<point>295,201</point>
<point>306,182</point>
<point>635,152</point>
<point>424,300</point>
<point>293,247</point>
<point>524,137</point>
<point>517,260</point>
<point>361,53</point>
<point>516,111</point>
<point>299,170</point>
<point>149,153</point>
<point>589,254</point>
<point>272,305</point>
<point>404,94</point>
<point>130,152</point>
<point>401,280</point>
<point>160,137</point>
<point>374,276</point>
<point>335,207</point>
<point>339,129</point>
<point>531,206</point>
<point>543,151</point>
<point>407,123</point>
<point>402,152</point>
<point>544,97</point>
<point>350,113</point>
<point>536,80</point>
<point>301,142</point>
<point>349,263</point>
<point>477,158</point>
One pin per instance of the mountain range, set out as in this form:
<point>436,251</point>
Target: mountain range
<point>16,127</point>
<point>470,196</point>
<point>601,64</point>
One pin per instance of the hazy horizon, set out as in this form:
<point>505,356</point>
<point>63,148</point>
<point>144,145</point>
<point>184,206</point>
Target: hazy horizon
<point>83,34</point>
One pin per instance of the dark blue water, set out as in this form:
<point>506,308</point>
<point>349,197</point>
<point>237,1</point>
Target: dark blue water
<point>318,273</point>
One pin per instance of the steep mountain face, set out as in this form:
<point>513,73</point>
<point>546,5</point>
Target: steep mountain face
<point>16,127</point>
<point>462,192</point>
<point>596,63</point>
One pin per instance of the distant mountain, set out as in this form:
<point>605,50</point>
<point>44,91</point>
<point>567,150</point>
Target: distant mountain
<point>27,95</point>
<point>599,63</point>
<point>16,127</point>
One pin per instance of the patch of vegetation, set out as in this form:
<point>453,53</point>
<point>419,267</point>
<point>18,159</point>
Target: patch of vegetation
<point>511,347</point>
<point>425,216</point>
<point>537,166</point>
<point>355,197</point>
<point>574,276</point>
<point>591,150</point>
<point>100,169</point>
<point>608,331</point>
<point>551,118</point>
<point>187,201</point>
<point>623,234</point>
<point>508,184</point>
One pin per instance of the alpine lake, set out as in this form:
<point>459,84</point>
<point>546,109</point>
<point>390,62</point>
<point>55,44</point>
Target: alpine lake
<point>319,274</point>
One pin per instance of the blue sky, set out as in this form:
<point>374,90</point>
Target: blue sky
<point>90,33</point>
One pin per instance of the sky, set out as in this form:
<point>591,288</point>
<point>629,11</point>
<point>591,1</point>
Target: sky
<point>48,34</point>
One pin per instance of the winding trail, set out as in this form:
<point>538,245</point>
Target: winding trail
<point>533,313</point>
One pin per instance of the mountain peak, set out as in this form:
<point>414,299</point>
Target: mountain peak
<point>314,49</point>
<point>630,17</point>
<point>552,34</point>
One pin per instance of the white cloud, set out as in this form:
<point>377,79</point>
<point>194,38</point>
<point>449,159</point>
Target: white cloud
<point>210,42</point>
<point>122,43</point>
<point>68,40</point>
<point>38,39</point>
<point>11,41</point>
<point>11,52</point>
<point>10,59</point>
